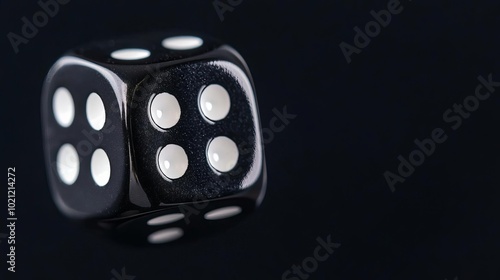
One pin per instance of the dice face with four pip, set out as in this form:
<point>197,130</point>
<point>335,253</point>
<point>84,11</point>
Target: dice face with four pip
<point>153,137</point>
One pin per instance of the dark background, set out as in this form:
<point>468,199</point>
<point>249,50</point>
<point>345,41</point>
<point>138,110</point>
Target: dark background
<point>325,169</point>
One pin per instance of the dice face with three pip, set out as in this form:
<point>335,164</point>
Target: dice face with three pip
<point>153,137</point>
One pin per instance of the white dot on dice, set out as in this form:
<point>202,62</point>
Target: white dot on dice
<point>223,213</point>
<point>165,110</point>
<point>68,164</point>
<point>130,54</point>
<point>214,102</point>
<point>173,161</point>
<point>96,113</point>
<point>182,43</point>
<point>63,107</point>
<point>166,219</point>
<point>165,235</point>
<point>222,154</point>
<point>100,167</point>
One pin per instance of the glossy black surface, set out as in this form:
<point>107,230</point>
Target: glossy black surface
<point>100,52</point>
<point>85,198</point>
<point>132,141</point>
<point>193,132</point>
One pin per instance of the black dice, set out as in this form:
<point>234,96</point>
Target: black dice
<point>153,137</point>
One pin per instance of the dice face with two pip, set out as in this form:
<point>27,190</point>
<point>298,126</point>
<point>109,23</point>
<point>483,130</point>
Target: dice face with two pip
<point>153,137</point>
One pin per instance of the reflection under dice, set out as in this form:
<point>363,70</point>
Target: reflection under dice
<point>153,137</point>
